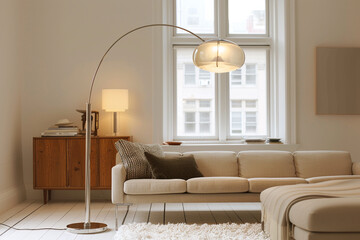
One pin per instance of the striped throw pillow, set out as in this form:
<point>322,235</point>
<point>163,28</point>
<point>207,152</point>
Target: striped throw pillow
<point>133,157</point>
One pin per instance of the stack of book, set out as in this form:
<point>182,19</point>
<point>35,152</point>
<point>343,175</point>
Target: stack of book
<point>61,129</point>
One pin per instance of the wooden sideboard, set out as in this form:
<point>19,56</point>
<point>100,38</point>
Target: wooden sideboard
<point>59,163</point>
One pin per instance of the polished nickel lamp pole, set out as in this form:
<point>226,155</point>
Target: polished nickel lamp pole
<point>214,56</point>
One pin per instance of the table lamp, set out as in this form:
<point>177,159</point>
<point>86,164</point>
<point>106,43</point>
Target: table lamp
<point>115,100</point>
<point>217,56</point>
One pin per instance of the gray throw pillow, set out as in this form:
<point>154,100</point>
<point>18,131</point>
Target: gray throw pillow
<point>183,167</point>
<point>134,160</point>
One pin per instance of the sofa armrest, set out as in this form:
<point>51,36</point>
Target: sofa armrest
<point>356,168</point>
<point>118,177</point>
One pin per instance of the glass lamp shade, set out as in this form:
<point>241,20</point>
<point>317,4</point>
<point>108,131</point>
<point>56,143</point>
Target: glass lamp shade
<point>218,56</point>
<point>115,100</point>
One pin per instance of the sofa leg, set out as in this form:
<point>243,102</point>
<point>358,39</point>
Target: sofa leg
<point>116,217</point>
<point>116,213</point>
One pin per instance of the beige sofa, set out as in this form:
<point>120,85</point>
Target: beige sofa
<point>235,177</point>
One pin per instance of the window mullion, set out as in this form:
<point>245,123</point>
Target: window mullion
<point>222,79</point>
<point>172,96</point>
<point>223,105</point>
<point>222,19</point>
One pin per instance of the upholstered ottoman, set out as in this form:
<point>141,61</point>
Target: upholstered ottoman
<point>326,218</point>
<point>326,210</point>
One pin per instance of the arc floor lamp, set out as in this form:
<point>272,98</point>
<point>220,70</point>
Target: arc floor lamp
<point>217,56</point>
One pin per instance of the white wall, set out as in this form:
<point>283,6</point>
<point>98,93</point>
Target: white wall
<point>65,39</point>
<point>11,174</point>
<point>324,23</point>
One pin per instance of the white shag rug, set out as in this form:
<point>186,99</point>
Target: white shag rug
<point>145,231</point>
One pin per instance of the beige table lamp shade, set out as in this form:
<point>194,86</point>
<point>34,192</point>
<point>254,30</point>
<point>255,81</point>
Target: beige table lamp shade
<point>115,100</point>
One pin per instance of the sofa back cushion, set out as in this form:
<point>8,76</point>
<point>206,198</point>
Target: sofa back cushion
<point>322,163</point>
<point>253,164</point>
<point>216,163</point>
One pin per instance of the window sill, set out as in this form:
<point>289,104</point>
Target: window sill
<point>236,147</point>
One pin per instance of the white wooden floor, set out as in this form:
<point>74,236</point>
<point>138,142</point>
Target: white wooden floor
<point>59,214</point>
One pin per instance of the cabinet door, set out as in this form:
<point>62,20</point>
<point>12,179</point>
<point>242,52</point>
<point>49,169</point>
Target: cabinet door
<point>50,163</point>
<point>76,163</point>
<point>107,160</point>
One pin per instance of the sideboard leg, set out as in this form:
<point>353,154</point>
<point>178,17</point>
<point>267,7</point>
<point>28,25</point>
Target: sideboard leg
<point>49,195</point>
<point>45,192</point>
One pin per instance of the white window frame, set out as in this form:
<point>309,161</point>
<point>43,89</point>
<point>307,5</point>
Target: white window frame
<point>281,32</point>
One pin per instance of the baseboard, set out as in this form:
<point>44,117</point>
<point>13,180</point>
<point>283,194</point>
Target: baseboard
<point>11,197</point>
<point>80,195</point>
<point>75,195</point>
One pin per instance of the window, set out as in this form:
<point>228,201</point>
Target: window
<point>205,103</point>
<point>250,74</point>
<point>247,16</point>
<point>204,122</point>
<point>236,122</point>
<point>196,97</point>
<point>251,122</point>
<point>196,16</point>
<point>236,103</point>
<point>250,95</point>
<point>243,119</point>
<point>199,120</point>
<point>189,74</point>
<point>189,122</point>
<point>204,77</point>
<point>198,117</point>
<point>249,101</point>
<point>236,78</point>
<point>189,104</point>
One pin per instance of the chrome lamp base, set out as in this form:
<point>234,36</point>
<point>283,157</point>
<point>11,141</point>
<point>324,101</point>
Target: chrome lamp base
<point>79,228</point>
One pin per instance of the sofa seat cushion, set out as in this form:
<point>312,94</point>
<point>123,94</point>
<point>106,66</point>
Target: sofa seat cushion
<point>217,185</point>
<point>310,164</point>
<point>154,186</point>
<point>328,178</point>
<point>302,234</point>
<point>257,185</point>
<point>255,164</point>
<point>327,215</point>
<point>216,163</point>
